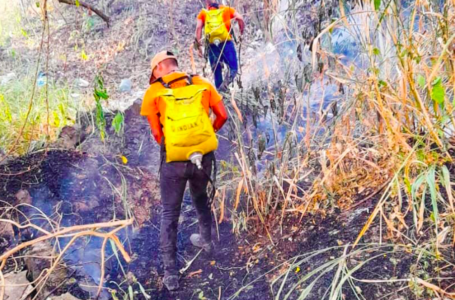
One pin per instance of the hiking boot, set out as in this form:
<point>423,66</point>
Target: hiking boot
<point>171,281</point>
<point>224,87</point>
<point>198,241</point>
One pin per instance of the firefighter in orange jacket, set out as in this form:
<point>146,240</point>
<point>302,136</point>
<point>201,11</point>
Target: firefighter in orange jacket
<point>175,175</point>
<point>220,49</point>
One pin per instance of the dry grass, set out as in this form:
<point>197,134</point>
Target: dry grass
<point>392,139</point>
<point>399,126</point>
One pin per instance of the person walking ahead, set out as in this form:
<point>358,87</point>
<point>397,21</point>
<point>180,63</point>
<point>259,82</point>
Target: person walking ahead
<point>217,22</point>
<point>177,107</point>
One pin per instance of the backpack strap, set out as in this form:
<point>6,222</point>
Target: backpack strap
<point>168,84</point>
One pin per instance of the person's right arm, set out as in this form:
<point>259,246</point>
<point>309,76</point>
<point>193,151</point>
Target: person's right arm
<point>155,126</point>
<point>150,110</point>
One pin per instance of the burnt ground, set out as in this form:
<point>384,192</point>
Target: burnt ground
<point>90,184</point>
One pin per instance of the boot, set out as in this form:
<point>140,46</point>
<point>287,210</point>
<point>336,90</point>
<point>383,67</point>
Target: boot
<point>171,281</point>
<point>203,239</point>
<point>171,278</point>
<point>223,88</point>
<point>198,241</point>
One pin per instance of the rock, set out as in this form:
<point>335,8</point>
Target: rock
<point>17,287</point>
<point>7,78</point>
<point>66,296</point>
<point>6,235</point>
<point>75,96</point>
<point>82,83</point>
<point>23,197</point>
<point>126,85</point>
<point>136,107</point>
<point>6,230</point>
<point>70,137</point>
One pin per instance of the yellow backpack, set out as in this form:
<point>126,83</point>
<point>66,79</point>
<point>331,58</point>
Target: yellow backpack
<point>187,127</point>
<point>215,29</point>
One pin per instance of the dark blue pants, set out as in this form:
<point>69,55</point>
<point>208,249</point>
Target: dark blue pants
<point>224,52</point>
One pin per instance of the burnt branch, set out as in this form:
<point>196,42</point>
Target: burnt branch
<point>76,232</point>
<point>89,7</point>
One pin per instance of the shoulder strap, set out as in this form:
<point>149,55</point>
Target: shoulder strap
<point>168,84</point>
<point>215,12</point>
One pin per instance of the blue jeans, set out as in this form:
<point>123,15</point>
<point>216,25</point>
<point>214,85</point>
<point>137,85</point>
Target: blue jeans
<point>224,52</point>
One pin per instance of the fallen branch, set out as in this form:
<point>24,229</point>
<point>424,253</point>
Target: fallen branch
<point>62,232</point>
<point>19,226</point>
<point>189,263</point>
<point>87,6</point>
<point>75,232</point>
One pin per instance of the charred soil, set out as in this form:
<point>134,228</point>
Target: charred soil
<point>88,186</point>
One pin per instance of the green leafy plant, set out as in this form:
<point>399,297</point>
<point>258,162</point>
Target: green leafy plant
<point>118,123</point>
<point>100,94</point>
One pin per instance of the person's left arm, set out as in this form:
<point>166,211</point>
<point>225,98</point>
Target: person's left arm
<point>200,21</point>
<point>199,27</point>
<point>234,15</point>
<point>239,18</point>
<point>218,108</point>
<point>221,115</point>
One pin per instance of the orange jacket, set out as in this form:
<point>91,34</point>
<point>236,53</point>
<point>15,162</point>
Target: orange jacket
<point>153,108</point>
<point>228,15</point>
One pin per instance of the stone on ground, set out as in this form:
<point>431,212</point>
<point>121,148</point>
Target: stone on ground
<point>17,287</point>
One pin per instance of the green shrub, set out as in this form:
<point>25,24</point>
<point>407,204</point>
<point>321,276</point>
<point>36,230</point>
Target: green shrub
<point>25,123</point>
